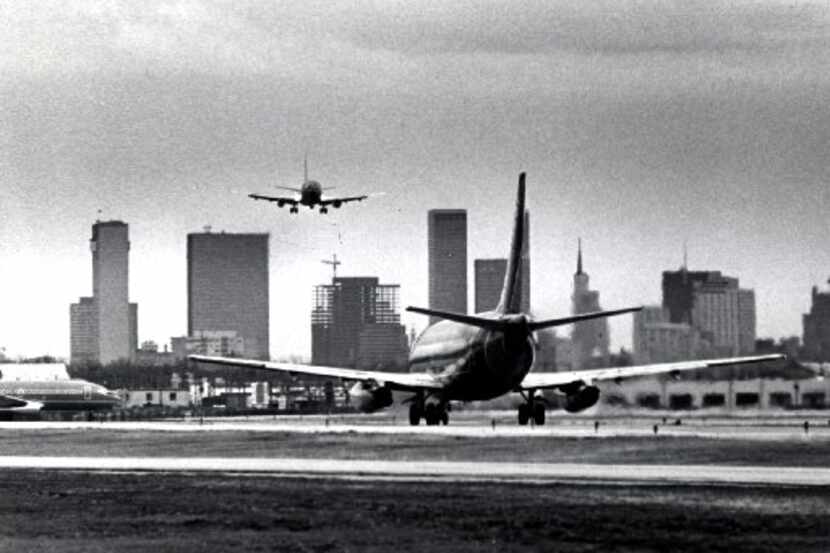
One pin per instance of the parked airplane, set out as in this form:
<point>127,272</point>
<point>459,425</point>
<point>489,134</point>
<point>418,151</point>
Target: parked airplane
<point>30,396</point>
<point>310,195</point>
<point>482,356</point>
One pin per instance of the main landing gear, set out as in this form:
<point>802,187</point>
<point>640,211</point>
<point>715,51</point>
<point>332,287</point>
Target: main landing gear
<point>293,210</point>
<point>324,210</point>
<point>533,408</point>
<point>433,413</point>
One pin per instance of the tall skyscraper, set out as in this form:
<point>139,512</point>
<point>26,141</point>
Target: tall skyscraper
<point>590,342</point>
<point>355,322</point>
<point>715,306</point>
<point>447,244</point>
<point>746,321</point>
<point>489,277</point>
<point>817,327</point>
<point>103,328</point>
<point>227,288</point>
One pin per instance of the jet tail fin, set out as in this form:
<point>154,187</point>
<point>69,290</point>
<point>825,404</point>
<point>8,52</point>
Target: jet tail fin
<point>511,292</point>
<point>538,325</point>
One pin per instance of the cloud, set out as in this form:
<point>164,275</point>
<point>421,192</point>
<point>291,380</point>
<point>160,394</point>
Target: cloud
<point>605,27</point>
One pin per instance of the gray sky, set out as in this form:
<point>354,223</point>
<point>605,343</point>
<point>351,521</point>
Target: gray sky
<point>640,125</point>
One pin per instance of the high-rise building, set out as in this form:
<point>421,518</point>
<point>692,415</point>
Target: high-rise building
<point>590,341</point>
<point>227,288</point>
<point>489,277</point>
<point>746,321</point>
<point>817,327</point>
<point>447,245</point>
<point>657,340</point>
<point>83,331</point>
<point>355,322</point>
<point>104,328</point>
<point>716,306</point>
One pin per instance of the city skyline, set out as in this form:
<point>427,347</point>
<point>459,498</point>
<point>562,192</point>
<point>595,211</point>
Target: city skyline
<point>701,122</point>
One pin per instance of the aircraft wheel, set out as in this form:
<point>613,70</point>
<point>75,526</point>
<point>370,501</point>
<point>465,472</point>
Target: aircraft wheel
<point>431,415</point>
<point>445,418</point>
<point>524,414</point>
<point>324,210</point>
<point>293,210</point>
<point>415,414</point>
<point>539,413</point>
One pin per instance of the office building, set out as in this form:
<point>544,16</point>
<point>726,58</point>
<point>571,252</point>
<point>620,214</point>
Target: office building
<point>209,342</point>
<point>716,306</point>
<point>746,321</point>
<point>489,277</point>
<point>447,252</point>
<point>355,322</point>
<point>657,340</point>
<point>228,289</point>
<point>715,314</point>
<point>489,274</point>
<point>589,339</point>
<point>817,327</point>
<point>104,327</point>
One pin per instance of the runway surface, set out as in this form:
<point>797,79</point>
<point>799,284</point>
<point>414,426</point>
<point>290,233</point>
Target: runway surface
<point>478,426</point>
<point>437,470</point>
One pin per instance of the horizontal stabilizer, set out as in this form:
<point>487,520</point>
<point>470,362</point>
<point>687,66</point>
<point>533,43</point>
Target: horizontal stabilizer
<point>472,320</point>
<point>538,325</point>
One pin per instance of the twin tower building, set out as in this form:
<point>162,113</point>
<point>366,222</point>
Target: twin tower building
<point>227,308</point>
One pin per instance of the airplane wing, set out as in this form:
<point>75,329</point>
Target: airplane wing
<point>538,381</point>
<point>16,404</point>
<point>395,381</point>
<point>338,201</point>
<point>280,201</point>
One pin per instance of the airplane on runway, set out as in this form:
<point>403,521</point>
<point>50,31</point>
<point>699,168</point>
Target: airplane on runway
<point>310,195</point>
<point>482,356</point>
<point>32,396</point>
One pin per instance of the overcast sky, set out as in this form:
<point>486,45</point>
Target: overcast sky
<point>640,126</point>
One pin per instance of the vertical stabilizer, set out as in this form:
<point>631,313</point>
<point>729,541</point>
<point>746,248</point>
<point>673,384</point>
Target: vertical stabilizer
<point>511,292</point>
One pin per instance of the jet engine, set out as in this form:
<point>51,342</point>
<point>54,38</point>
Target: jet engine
<point>280,203</point>
<point>337,204</point>
<point>581,398</point>
<point>369,397</point>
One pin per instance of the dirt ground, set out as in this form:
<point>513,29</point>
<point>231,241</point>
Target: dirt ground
<point>67,511</point>
<point>73,511</point>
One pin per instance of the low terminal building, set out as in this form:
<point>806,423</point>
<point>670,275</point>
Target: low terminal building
<point>757,393</point>
<point>172,399</point>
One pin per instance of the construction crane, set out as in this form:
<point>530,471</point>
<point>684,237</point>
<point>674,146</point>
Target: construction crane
<point>334,262</point>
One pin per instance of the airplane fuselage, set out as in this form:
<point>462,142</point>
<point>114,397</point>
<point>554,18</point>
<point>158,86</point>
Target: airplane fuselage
<point>472,363</point>
<point>62,395</point>
<point>311,193</point>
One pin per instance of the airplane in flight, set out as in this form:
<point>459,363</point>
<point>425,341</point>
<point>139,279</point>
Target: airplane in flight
<point>483,356</point>
<point>33,396</point>
<point>310,195</point>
